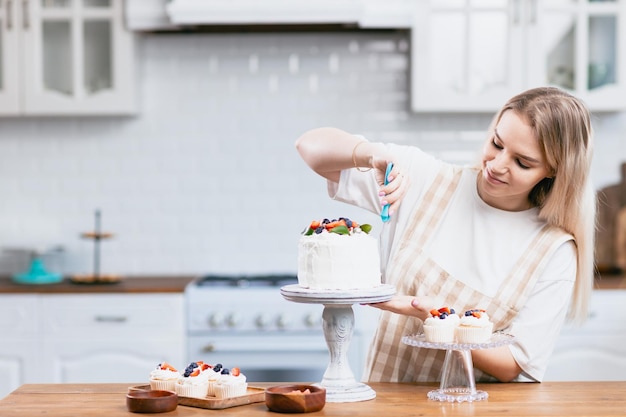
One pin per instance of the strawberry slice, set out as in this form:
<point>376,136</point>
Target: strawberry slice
<point>166,366</point>
<point>235,371</point>
<point>195,372</point>
<point>435,312</point>
<point>444,310</point>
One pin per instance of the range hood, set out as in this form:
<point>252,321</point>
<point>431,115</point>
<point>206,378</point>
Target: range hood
<point>196,12</point>
<point>173,14</point>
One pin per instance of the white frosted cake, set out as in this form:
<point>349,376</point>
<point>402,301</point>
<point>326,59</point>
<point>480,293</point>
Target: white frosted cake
<point>338,255</point>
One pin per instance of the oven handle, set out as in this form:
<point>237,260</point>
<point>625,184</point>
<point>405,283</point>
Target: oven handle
<point>211,348</point>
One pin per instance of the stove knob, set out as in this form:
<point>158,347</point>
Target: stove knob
<point>216,320</point>
<point>283,321</point>
<point>262,321</point>
<point>312,320</point>
<point>233,320</point>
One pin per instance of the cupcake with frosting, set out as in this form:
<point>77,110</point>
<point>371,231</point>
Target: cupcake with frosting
<point>164,377</point>
<point>231,383</point>
<point>213,374</point>
<point>439,327</point>
<point>193,382</point>
<point>475,327</point>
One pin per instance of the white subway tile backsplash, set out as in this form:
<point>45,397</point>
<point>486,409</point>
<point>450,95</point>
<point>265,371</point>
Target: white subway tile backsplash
<point>206,177</point>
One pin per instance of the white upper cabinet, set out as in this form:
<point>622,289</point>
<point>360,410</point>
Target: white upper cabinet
<point>473,55</point>
<point>65,57</point>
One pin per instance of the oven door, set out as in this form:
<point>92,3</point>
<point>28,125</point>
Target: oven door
<point>267,357</point>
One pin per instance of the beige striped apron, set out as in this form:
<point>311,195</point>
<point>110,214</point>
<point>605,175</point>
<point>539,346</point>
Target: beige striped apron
<point>413,273</point>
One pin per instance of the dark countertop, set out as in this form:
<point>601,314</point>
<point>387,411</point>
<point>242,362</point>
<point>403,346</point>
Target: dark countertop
<point>610,282</point>
<point>177,283</point>
<point>134,284</point>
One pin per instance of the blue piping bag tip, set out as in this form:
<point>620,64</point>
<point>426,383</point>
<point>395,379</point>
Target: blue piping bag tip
<point>384,215</point>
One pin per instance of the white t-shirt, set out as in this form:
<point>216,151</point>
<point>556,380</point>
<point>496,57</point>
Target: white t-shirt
<point>478,245</point>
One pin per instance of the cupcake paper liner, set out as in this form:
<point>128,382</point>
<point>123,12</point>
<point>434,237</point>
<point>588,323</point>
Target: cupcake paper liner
<point>230,390</point>
<point>190,390</point>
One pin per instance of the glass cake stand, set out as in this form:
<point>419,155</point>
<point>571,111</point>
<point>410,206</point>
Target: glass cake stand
<point>338,325</point>
<point>458,383</point>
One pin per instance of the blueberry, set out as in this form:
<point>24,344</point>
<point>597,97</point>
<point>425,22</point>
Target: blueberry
<point>452,311</point>
<point>325,221</point>
<point>319,230</point>
<point>348,222</point>
<point>443,315</point>
<point>225,371</point>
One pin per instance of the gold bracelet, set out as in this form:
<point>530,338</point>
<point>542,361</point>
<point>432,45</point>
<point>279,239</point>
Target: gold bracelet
<point>354,156</point>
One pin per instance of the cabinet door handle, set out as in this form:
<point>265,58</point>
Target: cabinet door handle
<point>517,11</point>
<point>111,319</point>
<point>9,14</point>
<point>26,20</point>
<point>533,12</point>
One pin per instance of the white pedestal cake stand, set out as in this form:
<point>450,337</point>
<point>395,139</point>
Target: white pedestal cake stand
<point>458,383</point>
<point>338,325</point>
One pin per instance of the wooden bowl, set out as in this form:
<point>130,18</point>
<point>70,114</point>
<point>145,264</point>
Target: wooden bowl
<point>154,401</point>
<point>295,398</point>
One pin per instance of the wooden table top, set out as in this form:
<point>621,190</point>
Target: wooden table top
<point>512,399</point>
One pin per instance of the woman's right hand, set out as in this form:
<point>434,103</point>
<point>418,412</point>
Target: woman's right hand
<point>394,191</point>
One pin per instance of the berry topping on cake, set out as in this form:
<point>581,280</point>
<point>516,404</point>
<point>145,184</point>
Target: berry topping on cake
<point>442,312</point>
<point>341,226</point>
<point>474,313</point>
<point>166,367</point>
<point>235,371</point>
<point>193,369</point>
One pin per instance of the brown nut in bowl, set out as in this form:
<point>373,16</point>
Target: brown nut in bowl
<point>154,401</point>
<point>296,398</point>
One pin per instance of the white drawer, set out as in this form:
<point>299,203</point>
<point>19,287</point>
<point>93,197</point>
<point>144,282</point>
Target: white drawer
<point>606,309</point>
<point>19,316</point>
<point>157,316</point>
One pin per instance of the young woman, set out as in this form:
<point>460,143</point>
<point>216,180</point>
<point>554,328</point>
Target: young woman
<point>513,236</point>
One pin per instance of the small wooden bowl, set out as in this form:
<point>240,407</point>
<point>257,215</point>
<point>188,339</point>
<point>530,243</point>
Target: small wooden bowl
<point>293,399</point>
<point>151,401</point>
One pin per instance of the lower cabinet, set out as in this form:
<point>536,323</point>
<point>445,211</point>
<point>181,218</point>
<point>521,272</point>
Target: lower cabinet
<point>19,343</point>
<point>596,350</point>
<point>89,337</point>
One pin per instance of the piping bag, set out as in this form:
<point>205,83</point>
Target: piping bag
<point>384,215</point>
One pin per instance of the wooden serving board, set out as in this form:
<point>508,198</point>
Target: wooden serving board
<point>253,395</point>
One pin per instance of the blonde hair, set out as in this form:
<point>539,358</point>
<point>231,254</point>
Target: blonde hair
<point>562,126</point>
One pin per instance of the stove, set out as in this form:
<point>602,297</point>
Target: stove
<point>244,321</point>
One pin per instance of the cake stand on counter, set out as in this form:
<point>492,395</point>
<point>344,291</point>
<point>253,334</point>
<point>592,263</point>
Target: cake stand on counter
<point>458,383</point>
<point>338,326</point>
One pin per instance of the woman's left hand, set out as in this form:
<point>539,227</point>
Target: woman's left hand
<point>407,305</point>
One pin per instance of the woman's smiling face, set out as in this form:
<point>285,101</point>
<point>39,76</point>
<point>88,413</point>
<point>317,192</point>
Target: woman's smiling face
<point>512,164</point>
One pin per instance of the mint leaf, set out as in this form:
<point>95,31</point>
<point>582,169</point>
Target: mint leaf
<point>341,230</point>
<point>366,228</point>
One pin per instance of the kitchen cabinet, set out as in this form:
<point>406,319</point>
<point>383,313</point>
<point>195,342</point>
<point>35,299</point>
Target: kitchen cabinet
<point>473,55</point>
<point>20,346</point>
<point>171,14</point>
<point>107,337</point>
<point>65,57</point>
<point>595,351</point>
<point>111,337</point>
